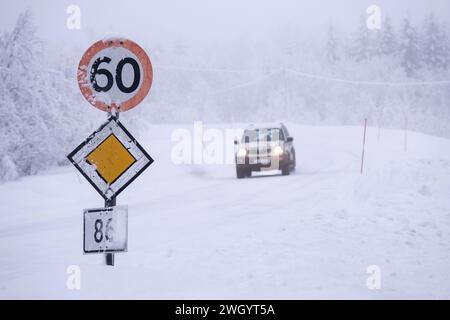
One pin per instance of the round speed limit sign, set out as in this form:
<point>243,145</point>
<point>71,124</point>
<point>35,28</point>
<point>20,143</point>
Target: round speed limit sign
<point>115,75</point>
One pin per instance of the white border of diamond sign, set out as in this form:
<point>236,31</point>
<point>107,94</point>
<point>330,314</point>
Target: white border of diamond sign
<point>105,230</point>
<point>79,155</point>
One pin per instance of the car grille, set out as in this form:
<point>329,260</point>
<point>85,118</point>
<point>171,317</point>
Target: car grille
<point>260,151</point>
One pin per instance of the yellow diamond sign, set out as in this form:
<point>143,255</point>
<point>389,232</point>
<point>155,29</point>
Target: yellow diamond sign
<point>110,159</point>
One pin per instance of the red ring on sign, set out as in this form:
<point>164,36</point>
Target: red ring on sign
<point>85,86</point>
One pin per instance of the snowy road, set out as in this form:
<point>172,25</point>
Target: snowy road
<point>195,231</point>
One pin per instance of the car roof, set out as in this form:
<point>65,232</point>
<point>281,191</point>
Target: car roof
<point>264,125</point>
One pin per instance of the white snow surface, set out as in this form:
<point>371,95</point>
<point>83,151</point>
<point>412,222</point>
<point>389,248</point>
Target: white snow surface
<point>196,232</point>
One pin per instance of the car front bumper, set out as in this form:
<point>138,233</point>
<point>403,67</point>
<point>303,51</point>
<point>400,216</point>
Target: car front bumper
<point>262,162</point>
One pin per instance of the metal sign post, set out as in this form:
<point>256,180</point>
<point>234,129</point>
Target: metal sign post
<point>109,257</point>
<point>114,75</point>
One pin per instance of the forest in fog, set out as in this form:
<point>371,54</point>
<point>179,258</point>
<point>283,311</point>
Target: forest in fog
<point>396,77</point>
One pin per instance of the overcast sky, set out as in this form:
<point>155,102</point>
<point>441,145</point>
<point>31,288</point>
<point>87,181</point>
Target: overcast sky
<point>202,20</point>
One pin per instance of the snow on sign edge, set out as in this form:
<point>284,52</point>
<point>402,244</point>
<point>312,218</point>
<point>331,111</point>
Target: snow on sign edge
<point>85,85</point>
<point>78,158</point>
<point>119,215</point>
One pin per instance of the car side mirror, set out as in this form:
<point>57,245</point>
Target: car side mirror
<point>235,142</point>
<point>289,139</point>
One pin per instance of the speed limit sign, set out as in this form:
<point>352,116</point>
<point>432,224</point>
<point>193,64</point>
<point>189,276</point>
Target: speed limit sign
<point>115,75</point>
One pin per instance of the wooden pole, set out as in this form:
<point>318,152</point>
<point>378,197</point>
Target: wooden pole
<point>364,145</point>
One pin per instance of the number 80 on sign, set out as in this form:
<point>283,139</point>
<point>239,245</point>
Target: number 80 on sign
<point>105,230</point>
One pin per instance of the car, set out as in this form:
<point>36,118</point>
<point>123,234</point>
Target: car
<point>265,147</point>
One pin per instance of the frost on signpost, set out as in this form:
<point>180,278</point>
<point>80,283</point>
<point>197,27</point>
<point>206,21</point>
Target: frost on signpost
<point>110,158</point>
<point>106,230</point>
<point>125,71</point>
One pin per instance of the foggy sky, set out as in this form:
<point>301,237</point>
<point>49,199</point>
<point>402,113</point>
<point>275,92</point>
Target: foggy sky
<point>202,21</point>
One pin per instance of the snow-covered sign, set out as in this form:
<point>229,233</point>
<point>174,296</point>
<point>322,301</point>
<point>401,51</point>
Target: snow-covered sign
<point>105,230</point>
<point>115,75</point>
<point>110,159</point>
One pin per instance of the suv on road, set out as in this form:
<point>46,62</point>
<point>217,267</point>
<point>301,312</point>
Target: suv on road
<point>264,147</point>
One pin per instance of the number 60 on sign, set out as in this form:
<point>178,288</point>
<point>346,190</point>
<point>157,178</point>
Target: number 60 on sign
<point>115,75</point>
<point>105,230</point>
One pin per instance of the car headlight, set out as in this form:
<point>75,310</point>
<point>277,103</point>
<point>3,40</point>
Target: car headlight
<point>278,151</point>
<point>242,152</point>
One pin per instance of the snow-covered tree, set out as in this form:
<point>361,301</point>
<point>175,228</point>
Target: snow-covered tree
<point>434,45</point>
<point>360,46</point>
<point>409,48</point>
<point>332,46</point>
<point>36,109</point>
<point>388,40</point>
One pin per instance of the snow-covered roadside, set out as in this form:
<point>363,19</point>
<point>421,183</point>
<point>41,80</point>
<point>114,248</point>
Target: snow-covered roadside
<point>197,232</point>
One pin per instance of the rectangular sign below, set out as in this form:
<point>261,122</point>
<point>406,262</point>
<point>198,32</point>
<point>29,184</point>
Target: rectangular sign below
<point>105,230</point>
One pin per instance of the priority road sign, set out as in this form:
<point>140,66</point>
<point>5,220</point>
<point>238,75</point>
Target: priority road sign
<point>115,75</point>
<point>110,159</point>
<point>105,230</point>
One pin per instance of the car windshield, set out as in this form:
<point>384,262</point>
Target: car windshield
<point>266,134</point>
